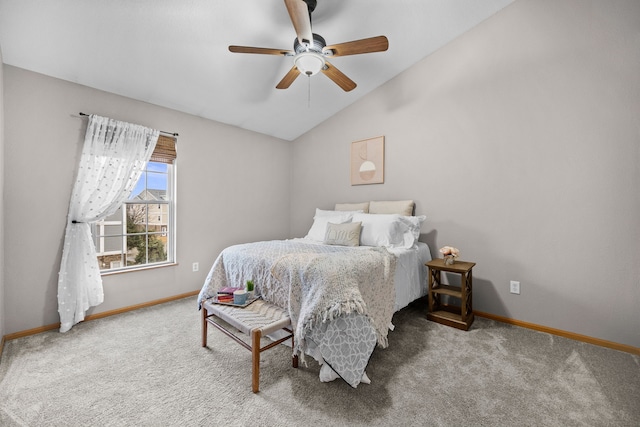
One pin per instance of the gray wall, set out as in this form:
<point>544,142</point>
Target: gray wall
<point>2,303</point>
<point>233,186</point>
<point>520,143</point>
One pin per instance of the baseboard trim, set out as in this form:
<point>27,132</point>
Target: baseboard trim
<point>561,333</point>
<point>45,328</point>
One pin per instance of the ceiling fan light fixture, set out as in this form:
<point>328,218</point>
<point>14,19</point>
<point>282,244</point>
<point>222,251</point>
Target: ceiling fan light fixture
<point>309,63</point>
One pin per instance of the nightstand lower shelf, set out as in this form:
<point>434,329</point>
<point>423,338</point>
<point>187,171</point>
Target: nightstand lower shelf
<point>450,315</point>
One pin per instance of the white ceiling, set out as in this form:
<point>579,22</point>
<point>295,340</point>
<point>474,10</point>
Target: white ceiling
<point>174,53</point>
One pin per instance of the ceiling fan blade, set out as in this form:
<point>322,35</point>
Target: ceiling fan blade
<point>338,77</point>
<point>372,44</point>
<point>260,50</point>
<point>288,78</point>
<point>300,18</point>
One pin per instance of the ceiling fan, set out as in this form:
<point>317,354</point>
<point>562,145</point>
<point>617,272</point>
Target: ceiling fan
<point>310,51</point>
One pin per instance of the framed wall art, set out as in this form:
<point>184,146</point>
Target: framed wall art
<point>367,161</point>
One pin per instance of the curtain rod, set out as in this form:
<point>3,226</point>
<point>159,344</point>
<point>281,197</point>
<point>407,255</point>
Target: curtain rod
<point>168,133</point>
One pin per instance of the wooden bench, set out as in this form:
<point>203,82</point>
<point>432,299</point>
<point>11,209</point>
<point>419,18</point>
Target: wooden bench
<point>258,319</point>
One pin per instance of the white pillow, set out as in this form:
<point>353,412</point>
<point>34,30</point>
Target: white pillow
<point>414,224</point>
<point>321,212</point>
<point>381,230</point>
<point>322,218</point>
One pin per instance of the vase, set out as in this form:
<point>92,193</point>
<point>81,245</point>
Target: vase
<point>449,260</point>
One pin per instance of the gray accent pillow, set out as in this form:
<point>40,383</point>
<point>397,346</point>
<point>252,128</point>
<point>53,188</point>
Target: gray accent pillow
<point>347,234</point>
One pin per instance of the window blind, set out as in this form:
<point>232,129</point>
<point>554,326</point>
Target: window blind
<point>165,151</point>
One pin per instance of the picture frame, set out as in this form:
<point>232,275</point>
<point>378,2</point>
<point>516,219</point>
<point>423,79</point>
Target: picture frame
<point>367,161</point>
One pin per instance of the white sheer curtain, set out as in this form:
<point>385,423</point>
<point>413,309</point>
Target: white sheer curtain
<point>113,157</point>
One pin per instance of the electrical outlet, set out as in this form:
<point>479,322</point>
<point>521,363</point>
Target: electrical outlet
<point>196,266</point>
<point>515,287</point>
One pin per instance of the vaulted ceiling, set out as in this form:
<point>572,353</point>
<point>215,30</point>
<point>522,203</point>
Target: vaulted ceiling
<point>174,53</point>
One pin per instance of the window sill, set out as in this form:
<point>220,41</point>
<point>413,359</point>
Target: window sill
<point>131,270</point>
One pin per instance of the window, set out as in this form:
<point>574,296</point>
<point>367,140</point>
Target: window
<point>141,232</point>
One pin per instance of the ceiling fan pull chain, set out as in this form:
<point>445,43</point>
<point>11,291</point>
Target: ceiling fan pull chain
<point>309,92</point>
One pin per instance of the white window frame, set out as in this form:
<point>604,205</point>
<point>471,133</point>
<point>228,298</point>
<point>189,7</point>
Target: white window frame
<point>169,231</point>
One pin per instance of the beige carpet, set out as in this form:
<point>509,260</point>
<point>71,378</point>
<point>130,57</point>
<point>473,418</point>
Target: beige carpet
<point>147,368</point>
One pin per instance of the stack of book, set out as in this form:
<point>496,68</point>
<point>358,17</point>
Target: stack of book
<point>226,294</point>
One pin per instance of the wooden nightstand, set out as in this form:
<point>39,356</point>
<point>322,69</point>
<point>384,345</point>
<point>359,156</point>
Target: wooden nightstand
<point>459,317</point>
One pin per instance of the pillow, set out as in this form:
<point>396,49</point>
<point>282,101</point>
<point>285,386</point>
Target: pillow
<point>381,230</point>
<point>414,224</point>
<point>321,212</point>
<point>347,234</point>
<point>364,207</point>
<point>400,207</point>
<point>322,218</point>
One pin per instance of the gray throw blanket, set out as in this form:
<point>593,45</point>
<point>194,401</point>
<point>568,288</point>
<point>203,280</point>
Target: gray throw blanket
<point>358,280</point>
<point>323,287</point>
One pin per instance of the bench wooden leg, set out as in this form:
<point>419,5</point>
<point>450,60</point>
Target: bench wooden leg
<point>255,360</point>
<point>204,326</point>
<point>294,357</point>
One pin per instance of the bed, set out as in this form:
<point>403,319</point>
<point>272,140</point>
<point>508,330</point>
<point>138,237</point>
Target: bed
<point>341,283</point>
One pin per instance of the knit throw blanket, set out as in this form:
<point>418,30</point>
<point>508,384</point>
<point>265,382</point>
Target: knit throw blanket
<point>325,286</point>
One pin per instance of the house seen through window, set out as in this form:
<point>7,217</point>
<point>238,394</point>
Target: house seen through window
<point>141,232</point>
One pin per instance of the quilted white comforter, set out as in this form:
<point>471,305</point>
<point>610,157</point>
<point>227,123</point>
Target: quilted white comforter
<point>340,299</point>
